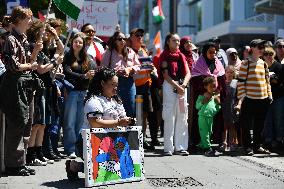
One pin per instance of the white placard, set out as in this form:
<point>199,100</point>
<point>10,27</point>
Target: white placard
<point>102,15</point>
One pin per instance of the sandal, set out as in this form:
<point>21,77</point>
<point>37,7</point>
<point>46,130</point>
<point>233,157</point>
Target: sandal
<point>71,175</point>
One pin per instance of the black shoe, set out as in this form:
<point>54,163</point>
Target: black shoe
<point>62,156</point>
<point>249,152</point>
<point>52,156</point>
<point>71,175</point>
<point>17,171</point>
<point>148,146</point>
<point>156,143</point>
<point>261,150</point>
<point>31,171</point>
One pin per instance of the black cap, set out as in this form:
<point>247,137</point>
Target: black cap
<point>215,40</point>
<point>257,42</point>
<point>3,31</point>
<point>137,30</point>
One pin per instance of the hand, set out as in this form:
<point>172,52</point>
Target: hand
<point>38,46</point>
<point>128,71</point>
<point>53,31</point>
<point>180,90</point>
<point>124,121</point>
<point>90,74</point>
<point>238,107</point>
<point>60,59</point>
<point>207,96</point>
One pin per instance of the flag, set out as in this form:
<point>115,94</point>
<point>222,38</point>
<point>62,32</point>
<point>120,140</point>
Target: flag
<point>158,15</point>
<point>70,7</point>
<point>158,42</point>
<point>41,16</point>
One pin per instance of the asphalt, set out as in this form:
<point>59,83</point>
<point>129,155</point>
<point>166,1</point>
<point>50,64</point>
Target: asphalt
<point>193,171</point>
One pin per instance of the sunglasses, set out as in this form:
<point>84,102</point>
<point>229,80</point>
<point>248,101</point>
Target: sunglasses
<point>121,38</point>
<point>139,35</point>
<point>268,54</point>
<point>260,47</point>
<point>280,46</point>
<point>90,31</point>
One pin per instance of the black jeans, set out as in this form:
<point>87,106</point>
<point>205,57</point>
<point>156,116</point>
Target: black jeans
<point>253,113</point>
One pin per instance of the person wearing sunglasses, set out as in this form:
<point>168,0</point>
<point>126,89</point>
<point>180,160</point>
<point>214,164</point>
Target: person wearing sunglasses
<point>279,48</point>
<point>146,85</point>
<point>94,47</point>
<point>273,132</point>
<point>254,94</point>
<point>125,62</point>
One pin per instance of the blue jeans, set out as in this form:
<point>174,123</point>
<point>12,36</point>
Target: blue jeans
<point>73,119</point>
<point>127,91</point>
<point>274,121</point>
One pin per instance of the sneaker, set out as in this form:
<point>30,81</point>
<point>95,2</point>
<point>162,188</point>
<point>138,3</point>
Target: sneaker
<point>168,153</point>
<point>71,175</point>
<point>48,161</point>
<point>62,156</point>
<point>210,153</point>
<point>181,152</point>
<point>52,156</point>
<point>148,146</point>
<point>223,147</point>
<point>31,171</point>
<point>37,162</point>
<point>156,143</point>
<point>261,150</point>
<point>72,156</point>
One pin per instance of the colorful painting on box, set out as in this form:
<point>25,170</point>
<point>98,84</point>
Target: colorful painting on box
<point>113,155</point>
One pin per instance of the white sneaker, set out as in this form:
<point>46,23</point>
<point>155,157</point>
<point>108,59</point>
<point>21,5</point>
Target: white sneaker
<point>72,155</point>
<point>49,161</point>
<point>37,162</point>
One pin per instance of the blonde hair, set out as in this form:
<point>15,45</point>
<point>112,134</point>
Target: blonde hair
<point>269,50</point>
<point>20,13</point>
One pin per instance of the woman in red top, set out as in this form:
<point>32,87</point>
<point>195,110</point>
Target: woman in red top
<point>175,74</point>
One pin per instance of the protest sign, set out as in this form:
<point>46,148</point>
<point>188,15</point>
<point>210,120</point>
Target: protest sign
<point>102,15</point>
<point>113,155</point>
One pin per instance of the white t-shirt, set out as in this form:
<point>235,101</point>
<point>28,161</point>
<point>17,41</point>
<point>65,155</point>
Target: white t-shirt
<point>101,107</point>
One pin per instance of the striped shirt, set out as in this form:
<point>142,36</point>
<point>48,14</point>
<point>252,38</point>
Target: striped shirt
<point>254,81</point>
<point>16,51</point>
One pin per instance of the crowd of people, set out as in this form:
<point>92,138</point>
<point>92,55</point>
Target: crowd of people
<point>191,98</point>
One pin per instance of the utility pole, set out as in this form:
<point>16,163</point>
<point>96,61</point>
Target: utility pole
<point>173,16</point>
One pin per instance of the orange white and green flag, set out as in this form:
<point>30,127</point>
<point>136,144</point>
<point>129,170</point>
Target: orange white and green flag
<point>71,8</point>
<point>158,15</point>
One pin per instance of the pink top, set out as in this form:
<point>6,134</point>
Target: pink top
<point>118,62</point>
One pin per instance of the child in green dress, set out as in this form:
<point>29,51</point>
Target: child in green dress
<point>208,106</point>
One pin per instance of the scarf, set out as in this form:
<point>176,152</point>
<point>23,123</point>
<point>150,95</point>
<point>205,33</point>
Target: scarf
<point>187,54</point>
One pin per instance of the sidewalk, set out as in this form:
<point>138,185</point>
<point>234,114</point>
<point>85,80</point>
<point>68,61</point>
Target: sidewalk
<point>194,171</point>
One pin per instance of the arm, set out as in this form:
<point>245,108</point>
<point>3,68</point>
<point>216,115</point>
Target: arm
<point>199,102</point>
<point>241,88</point>
<point>165,73</point>
<point>101,123</point>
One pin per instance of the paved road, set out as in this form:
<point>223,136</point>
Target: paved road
<point>194,171</point>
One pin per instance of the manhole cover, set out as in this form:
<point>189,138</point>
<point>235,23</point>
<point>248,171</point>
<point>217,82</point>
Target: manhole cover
<point>173,182</point>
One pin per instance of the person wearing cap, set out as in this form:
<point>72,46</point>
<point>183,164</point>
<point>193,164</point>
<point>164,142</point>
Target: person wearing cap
<point>254,94</point>
<point>144,78</point>
<point>93,46</point>
<point>220,53</point>
<point>279,48</point>
<point>233,59</point>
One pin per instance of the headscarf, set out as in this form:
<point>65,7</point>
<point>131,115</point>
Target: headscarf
<point>187,54</point>
<point>237,63</point>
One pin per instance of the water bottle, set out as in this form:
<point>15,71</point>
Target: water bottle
<point>181,103</point>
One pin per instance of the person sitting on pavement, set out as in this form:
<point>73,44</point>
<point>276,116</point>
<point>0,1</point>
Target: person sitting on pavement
<point>103,109</point>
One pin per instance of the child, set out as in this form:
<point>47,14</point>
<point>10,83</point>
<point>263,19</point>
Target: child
<point>228,110</point>
<point>207,105</point>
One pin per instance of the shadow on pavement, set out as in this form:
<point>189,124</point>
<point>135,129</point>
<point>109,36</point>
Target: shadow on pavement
<point>66,184</point>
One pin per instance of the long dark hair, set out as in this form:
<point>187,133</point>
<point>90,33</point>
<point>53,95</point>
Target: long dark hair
<point>112,44</point>
<point>82,54</point>
<point>168,37</point>
<point>95,85</point>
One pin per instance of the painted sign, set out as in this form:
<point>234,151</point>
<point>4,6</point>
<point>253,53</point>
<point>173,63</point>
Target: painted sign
<point>113,155</point>
<point>13,3</point>
<point>102,15</point>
